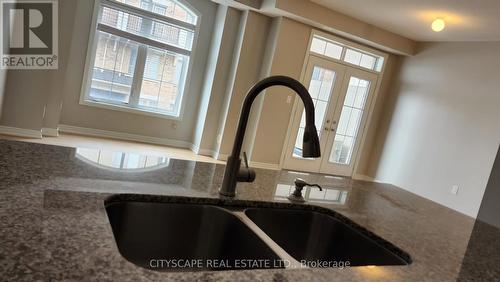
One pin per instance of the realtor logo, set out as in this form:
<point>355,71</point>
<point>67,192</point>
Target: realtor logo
<point>29,33</point>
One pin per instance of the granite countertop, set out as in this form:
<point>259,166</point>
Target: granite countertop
<point>53,225</point>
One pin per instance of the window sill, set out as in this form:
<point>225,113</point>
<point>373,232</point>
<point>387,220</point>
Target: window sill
<point>139,111</point>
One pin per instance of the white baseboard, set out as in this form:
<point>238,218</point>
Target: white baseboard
<point>204,152</point>
<point>124,136</point>
<point>363,177</point>
<point>221,157</point>
<point>50,132</point>
<point>195,148</point>
<point>264,165</point>
<point>21,132</point>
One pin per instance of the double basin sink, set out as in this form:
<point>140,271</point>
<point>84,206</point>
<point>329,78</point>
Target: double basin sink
<point>191,234</point>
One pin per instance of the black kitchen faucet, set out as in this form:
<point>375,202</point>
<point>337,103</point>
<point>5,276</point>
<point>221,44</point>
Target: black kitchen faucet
<point>310,148</point>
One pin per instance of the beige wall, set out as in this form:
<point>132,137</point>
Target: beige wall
<point>444,128</point>
<point>291,47</point>
<point>247,66</point>
<point>67,11</point>
<point>366,167</point>
<point>25,97</point>
<point>27,92</point>
<point>320,17</point>
<point>267,63</point>
<point>216,78</point>
<point>251,3</point>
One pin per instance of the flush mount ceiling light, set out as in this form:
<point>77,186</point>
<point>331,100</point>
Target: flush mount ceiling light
<point>438,25</point>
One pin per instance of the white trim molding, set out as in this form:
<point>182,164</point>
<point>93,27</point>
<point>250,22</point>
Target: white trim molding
<point>50,132</point>
<point>195,148</point>
<point>363,177</point>
<point>205,152</point>
<point>221,156</point>
<point>21,132</point>
<point>264,165</point>
<point>124,136</point>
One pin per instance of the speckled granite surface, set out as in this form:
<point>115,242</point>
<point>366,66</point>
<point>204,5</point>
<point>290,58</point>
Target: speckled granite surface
<point>53,225</point>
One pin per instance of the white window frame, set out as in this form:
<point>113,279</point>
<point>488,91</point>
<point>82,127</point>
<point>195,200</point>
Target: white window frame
<point>140,60</point>
<point>347,44</point>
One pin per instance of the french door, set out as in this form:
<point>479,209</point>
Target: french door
<point>322,81</point>
<point>342,95</point>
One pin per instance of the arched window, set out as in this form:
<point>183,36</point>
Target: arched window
<point>141,55</point>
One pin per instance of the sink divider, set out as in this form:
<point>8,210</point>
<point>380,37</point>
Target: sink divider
<point>293,263</point>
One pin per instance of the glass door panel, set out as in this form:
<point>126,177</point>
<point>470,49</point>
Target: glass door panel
<point>320,88</point>
<point>323,80</point>
<point>341,149</point>
<point>350,119</point>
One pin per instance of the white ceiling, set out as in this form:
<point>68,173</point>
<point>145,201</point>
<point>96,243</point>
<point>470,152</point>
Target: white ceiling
<point>467,20</point>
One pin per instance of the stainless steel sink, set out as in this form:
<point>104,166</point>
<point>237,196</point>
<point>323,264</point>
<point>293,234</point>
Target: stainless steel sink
<point>315,237</point>
<point>185,237</point>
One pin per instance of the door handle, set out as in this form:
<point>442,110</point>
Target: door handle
<point>334,123</point>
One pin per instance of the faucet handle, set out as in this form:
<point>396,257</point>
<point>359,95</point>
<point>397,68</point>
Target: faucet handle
<point>246,174</point>
<point>245,159</point>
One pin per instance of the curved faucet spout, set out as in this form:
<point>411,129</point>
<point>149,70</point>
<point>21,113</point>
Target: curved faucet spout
<point>310,148</point>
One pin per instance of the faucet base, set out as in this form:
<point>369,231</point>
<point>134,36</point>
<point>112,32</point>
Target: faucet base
<point>226,193</point>
<point>229,181</point>
<point>296,199</point>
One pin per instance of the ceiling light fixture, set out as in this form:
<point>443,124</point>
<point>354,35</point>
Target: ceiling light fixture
<point>438,25</point>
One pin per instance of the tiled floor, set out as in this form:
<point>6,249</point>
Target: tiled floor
<point>71,140</point>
